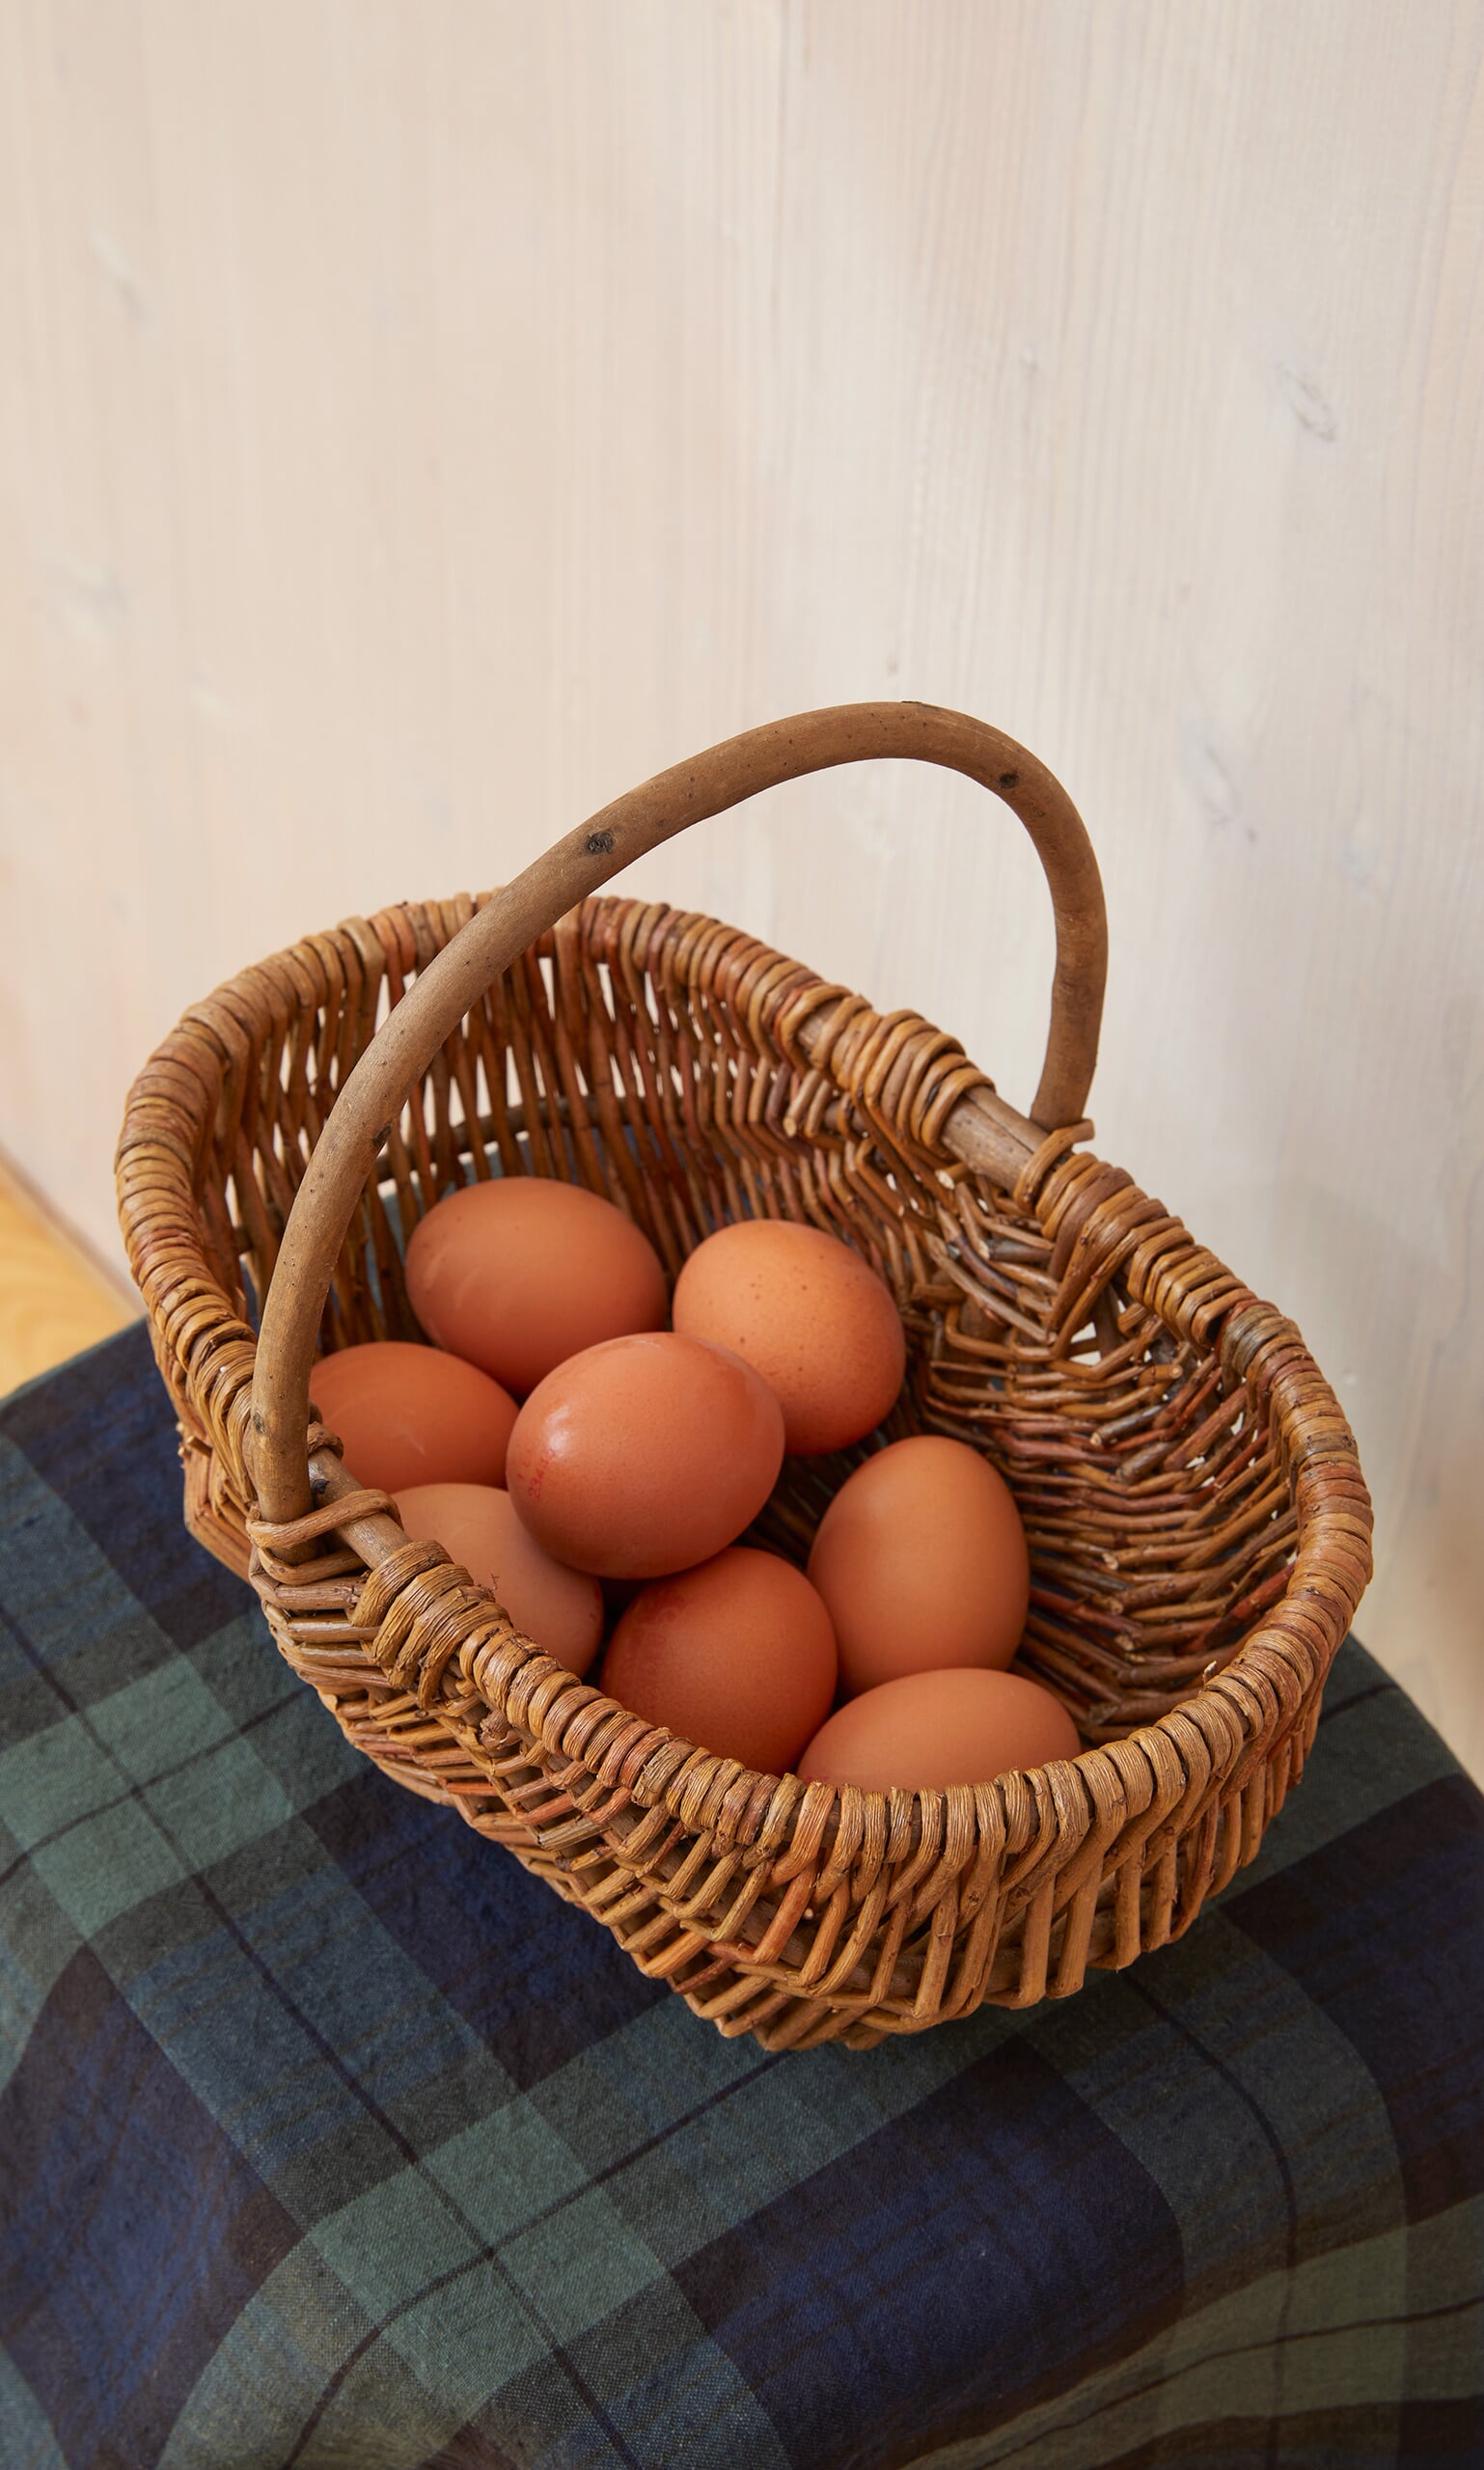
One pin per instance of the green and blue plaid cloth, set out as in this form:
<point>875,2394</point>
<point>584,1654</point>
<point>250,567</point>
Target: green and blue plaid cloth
<point>331,2138</point>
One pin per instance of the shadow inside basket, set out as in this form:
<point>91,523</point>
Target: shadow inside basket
<point>1157,1509</point>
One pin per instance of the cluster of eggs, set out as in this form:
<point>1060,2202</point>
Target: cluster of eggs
<point>591,1451</point>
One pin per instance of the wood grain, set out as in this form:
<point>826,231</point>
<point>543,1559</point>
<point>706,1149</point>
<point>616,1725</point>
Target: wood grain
<point>53,1302</point>
<point>418,426</point>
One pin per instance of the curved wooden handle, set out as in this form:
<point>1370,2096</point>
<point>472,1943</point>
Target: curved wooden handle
<point>578,865</point>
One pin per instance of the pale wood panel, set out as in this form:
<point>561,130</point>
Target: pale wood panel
<point>418,424</point>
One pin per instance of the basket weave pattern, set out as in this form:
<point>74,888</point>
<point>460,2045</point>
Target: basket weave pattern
<point>1198,1524</point>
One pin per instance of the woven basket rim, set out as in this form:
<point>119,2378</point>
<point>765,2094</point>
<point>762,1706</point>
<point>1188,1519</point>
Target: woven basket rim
<point>1256,1690</point>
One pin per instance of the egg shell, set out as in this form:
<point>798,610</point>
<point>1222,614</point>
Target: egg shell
<point>645,1454</point>
<point>821,1328</point>
<point>921,1560</point>
<point>518,1274</point>
<point>411,1414</point>
<point>933,1729</point>
<point>737,1656</point>
<point>557,1608</point>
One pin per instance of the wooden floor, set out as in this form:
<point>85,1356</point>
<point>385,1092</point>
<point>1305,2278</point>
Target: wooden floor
<point>53,1299</point>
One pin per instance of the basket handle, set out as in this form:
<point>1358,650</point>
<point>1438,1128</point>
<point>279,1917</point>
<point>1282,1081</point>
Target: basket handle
<point>576,866</point>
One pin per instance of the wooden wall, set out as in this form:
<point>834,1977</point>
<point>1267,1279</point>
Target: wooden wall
<point>419,422</point>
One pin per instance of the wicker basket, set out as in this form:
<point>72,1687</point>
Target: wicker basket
<point>1198,1523</point>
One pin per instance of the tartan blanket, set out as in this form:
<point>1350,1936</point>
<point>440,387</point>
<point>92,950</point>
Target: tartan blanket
<point>329,2137</point>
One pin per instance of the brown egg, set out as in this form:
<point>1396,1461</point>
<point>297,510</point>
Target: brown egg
<point>411,1414</point>
<point>737,1656</point>
<point>646,1455</point>
<point>517,1274</point>
<point>921,1560</point>
<point>819,1326</point>
<point>932,1729</point>
<point>555,1607</point>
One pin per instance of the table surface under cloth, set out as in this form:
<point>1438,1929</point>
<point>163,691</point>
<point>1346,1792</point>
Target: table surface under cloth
<point>329,2137</point>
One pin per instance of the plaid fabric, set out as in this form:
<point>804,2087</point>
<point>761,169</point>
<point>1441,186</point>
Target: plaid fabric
<point>330,2138</point>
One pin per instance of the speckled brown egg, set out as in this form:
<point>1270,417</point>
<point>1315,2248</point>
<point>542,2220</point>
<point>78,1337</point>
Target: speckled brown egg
<point>519,1274</point>
<point>737,1656</point>
<point>410,1414</point>
<point>932,1729</point>
<point>921,1560</point>
<point>645,1454</point>
<point>809,1315</point>
<point>557,1608</point>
